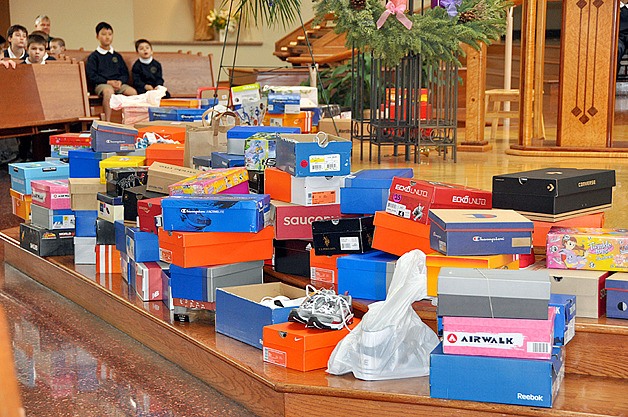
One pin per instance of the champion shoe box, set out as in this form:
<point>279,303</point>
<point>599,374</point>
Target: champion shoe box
<point>112,137</point>
<point>528,382</point>
<point>306,191</point>
<point>366,276</point>
<point>412,199</point>
<point>240,315</point>
<point>192,249</point>
<point>84,250</point>
<point>83,193</point>
<point>225,160</point>
<point>553,190</point>
<point>343,236</point>
<point>396,235</point>
<point>141,246</point>
<point>52,219</point>
<point>215,213</point>
<point>211,182</point>
<point>44,242</point>
<point>617,296</point>
<point>236,136</point>
<point>295,221</point>
<point>85,163</point>
<point>587,248</point>
<point>292,257</point>
<point>314,155</point>
<point>149,214</point>
<point>366,191</point>
<point>119,161</point>
<point>119,179</point>
<point>479,232</point>
<point>161,176</point>
<point>201,283</point>
<point>284,103</point>
<point>131,197</point>
<point>52,194</point>
<point>522,294</point>
<point>24,172</point>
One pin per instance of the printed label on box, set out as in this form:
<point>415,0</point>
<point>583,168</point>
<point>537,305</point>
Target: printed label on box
<point>538,347</point>
<point>322,275</point>
<point>496,341</point>
<point>275,356</point>
<point>321,197</point>
<point>325,163</point>
<point>350,243</point>
<point>165,255</point>
<point>63,222</point>
<point>398,210</point>
<point>38,196</point>
<point>130,247</point>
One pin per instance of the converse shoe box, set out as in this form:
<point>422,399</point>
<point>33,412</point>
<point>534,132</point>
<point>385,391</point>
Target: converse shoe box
<point>201,283</point>
<point>343,236</point>
<point>528,382</point>
<point>318,155</point>
<point>553,190</point>
<point>236,136</point>
<point>119,179</point>
<point>367,275</point>
<point>617,296</point>
<point>240,315</point>
<point>293,221</point>
<point>292,257</point>
<point>44,242</point>
<point>366,191</point>
<point>24,172</point>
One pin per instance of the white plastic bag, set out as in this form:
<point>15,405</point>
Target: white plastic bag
<point>391,341</point>
<point>150,98</point>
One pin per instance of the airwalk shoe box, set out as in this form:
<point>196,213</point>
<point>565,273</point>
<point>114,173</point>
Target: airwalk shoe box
<point>553,190</point>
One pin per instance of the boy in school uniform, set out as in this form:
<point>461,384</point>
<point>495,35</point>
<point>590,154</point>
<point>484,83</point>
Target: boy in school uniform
<point>106,70</point>
<point>36,50</point>
<point>16,35</point>
<point>147,73</point>
<point>57,47</point>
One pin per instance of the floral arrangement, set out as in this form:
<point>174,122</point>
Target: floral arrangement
<point>220,19</point>
<point>389,33</point>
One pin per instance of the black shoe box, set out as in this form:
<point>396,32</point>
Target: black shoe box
<point>256,182</point>
<point>130,197</point>
<point>44,242</point>
<point>292,257</point>
<point>118,179</point>
<point>343,236</point>
<point>105,232</point>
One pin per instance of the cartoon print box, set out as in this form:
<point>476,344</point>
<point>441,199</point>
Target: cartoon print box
<point>587,248</point>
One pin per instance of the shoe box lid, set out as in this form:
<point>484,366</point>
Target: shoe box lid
<point>376,260</point>
<point>188,239</point>
<point>618,280</point>
<point>376,178</point>
<point>347,224</point>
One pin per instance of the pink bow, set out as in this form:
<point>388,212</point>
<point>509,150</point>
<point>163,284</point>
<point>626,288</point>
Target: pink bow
<point>396,7</point>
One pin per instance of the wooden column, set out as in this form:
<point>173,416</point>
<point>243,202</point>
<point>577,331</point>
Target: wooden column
<point>475,88</point>
<point>587,75</point>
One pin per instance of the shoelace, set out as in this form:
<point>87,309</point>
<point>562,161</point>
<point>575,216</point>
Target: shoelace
<point>331,303</point>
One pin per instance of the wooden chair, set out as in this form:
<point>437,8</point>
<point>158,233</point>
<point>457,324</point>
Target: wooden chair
<point>494,105</point>
<point>10,403</point>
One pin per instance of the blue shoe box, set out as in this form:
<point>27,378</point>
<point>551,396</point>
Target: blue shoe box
<point>85,163</point>
<point>112,137</point>
<point>284,103</point>
<point>23,173</point>
<point>565,318</point>
<point>202,163</point>
<point>120,230</point>
<point>366,275</point>
<point>318,155</point>
<point>85,222</point>
<point>240,315</point>
<point>528,382</point>
<point>141,246</point>
<point>225,160</point>
<point>366,191</point>
<point>617,296</point>
<point>215,213</point>
<point>236,136</point>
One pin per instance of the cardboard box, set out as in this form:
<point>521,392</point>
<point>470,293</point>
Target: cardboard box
<point>24,172</point>
<point>541,228</point>
<point>85,163</point>
<point>201,283</point>
<point>293,346</point>
<point>528,382</point>
<point>119,162</point>
<point>52,219</point>
<point>105,232</point>
<point>435,261</point>
<point>107,259</point>
<point>366,276</point>
<point>236,136</point>
<point>110,207</point>
<point>397,235</point>
<point>522,294</point>
<point>162,175</point>
<point>215,213</point>
<point>305,191</point>
<point>210,182</point>
<point>505,338</point>
<point>479,232</point>
<point>21,204</point>
<point>412,199</point>
<point>292,257</point>
<point>617,296</point>
<point>149,281</point>
<point>112,137</point>
<point>225,160</point>
<point>553,190</point>
<point>84,250</point>
<point>148,211</point>
<point>587,286</point>
<point>141,246</point>
<point>314,155</point>
<point>83,193</point>
<point>587,248</point>
<point>52,194</point>
<point>240,316</point>
<point>44,242</point>
<point>295,222</point>
<point>324,268</point>
<point>119,179</point>
<point>342,127</point>
<point>366,191</point>
<point>191,249</point>
<point>565,317</point>
<point>167,153</point>
<point>343,236</point>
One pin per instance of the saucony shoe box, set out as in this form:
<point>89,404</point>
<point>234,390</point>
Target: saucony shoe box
<point>44,242</point>
<point>367,275</point>
<point>412,199</point>
<point>295,222</point>
<point>319,155</point>
<point>529,382</point>
<point>617,296</point>
<point>366,191</point>
<point>553,190</point>
<point>292,257</point>
<point>236,136</point>
<point>119,179</point>
<point>343,236</point>
<point>23,173</point>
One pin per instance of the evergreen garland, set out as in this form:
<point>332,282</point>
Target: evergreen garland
<point>434,35</point>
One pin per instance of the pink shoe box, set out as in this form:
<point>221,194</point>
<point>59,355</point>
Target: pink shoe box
<point>210,182</point>
<point>506,338</point>
<point>52,194</point>
<point>149,281</point>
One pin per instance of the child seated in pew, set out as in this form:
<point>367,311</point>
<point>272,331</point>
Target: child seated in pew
<point>146,71</point>
<point>36,50</point>
<point>16,35</point>
<point>57,47</point>
<point>106,70</point>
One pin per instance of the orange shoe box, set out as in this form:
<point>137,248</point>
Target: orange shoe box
<point>302,120</point>
<point>323,268</point>
<point>293,346</point>
<point>176,133</point>
<point>435,261</point>
<point>107,259</point>
<point>21,204</point>
<point>397,235</point>
<point>541,229</point>
<point>168,153</point>
<point>190,249</point>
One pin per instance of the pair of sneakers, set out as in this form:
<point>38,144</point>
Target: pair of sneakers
<point>323,309</point>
